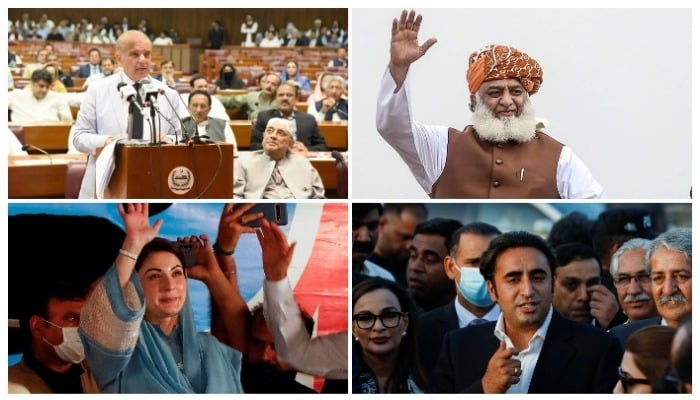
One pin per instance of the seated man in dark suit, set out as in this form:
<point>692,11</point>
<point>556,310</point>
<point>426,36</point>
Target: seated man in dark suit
<point>199,121</point>
<point>530,348</point>
<point>93,66</point>
<point>309,135</point>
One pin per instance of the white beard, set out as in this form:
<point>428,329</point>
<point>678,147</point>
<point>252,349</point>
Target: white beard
<point>520,129</point>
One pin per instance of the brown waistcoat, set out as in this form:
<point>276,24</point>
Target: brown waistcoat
<point>479,169</point>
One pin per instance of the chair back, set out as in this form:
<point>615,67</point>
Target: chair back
<point>75,170</point>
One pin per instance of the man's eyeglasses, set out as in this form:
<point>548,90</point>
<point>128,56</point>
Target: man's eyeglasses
<point>628,381</point>
<point>390,319</point>
<point>642,278</point>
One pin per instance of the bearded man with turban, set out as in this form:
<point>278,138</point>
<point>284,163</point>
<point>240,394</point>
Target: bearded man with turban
<point>504,154</point>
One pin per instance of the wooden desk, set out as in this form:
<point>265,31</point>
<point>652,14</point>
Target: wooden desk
<point>34,176</point>
<point>325,165</point>
<point>242,129</point>
<point>231,92</point>
<point>78,82</point>
<point>335,133</point>
<point>51,136</point>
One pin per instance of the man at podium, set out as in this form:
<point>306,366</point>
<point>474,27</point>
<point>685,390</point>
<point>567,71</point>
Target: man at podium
<point>109,104</point>
<point>275,172</point>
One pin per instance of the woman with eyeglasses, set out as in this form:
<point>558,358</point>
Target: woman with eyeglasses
<point>646,361</point>
<point>385,353</point>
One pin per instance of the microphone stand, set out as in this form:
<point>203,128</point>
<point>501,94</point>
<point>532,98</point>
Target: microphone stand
<point>154,141</point>
<point>39,149</point>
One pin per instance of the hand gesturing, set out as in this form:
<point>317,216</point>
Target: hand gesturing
<point>404,39</point>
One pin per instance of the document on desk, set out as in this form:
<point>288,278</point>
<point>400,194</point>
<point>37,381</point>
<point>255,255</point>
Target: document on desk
<point>104,167</point>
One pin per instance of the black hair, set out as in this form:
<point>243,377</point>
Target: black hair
<point>511,240</point>
<point>361,210</point>
<point>295,87</point>
<point>157,245</point>
<point>574,227</point>
<point>475,228</point>
<point>42,75</point>
<point>195,78</point>
<point>196,92</point>
<point>439,226</point>
<point>567,253</point>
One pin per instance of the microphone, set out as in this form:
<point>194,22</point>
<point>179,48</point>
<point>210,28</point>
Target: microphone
<point>149,92</point>
<point>28,146</point>
<point>337,155</point>
<point>128,93</point>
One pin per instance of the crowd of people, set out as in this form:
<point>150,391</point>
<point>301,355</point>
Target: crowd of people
<point>254,34</point>
<point>440,306</point>
<point>133,330</point>
<point>200,114</point>
<point>105,31</point>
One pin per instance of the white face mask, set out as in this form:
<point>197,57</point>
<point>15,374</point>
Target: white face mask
<point>71,349</point>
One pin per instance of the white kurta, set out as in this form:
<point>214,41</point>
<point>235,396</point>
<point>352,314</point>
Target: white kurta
<point>424,147</point>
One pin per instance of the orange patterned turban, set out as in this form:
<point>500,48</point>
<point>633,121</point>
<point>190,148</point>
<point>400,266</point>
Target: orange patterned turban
<point>503,62</point>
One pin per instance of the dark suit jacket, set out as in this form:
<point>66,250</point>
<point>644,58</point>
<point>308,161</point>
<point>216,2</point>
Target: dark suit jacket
<point>575,358</point>
<point>622,332</point>
<point>434,325</point>
<point>308,131</point>
<point>84,71</point>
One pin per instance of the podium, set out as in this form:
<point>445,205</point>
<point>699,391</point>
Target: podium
<point>169,171</point>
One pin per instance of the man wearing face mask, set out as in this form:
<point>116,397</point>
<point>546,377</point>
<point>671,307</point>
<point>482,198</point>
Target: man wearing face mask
<point>472,305</point>
<point>52,361</point>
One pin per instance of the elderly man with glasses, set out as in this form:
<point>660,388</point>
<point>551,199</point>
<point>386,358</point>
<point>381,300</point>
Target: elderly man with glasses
<point>632,280</point>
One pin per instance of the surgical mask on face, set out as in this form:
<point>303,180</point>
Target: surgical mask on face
<point>71,349</point>
<point>473,287</point>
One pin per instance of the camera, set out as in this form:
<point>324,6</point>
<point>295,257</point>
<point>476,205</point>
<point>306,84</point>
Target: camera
<point>273,212</point>
<point>189,251</point>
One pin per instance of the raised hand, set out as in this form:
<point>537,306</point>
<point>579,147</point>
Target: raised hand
<point>205,261</point>
<point>232,225</point>
<point>603,304</point>
<point>276,252</point>
<point>138,230</point>
<point>327,104</point>
<point>404,44</point>
<point>502,371</point>
<point>138,233</point>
